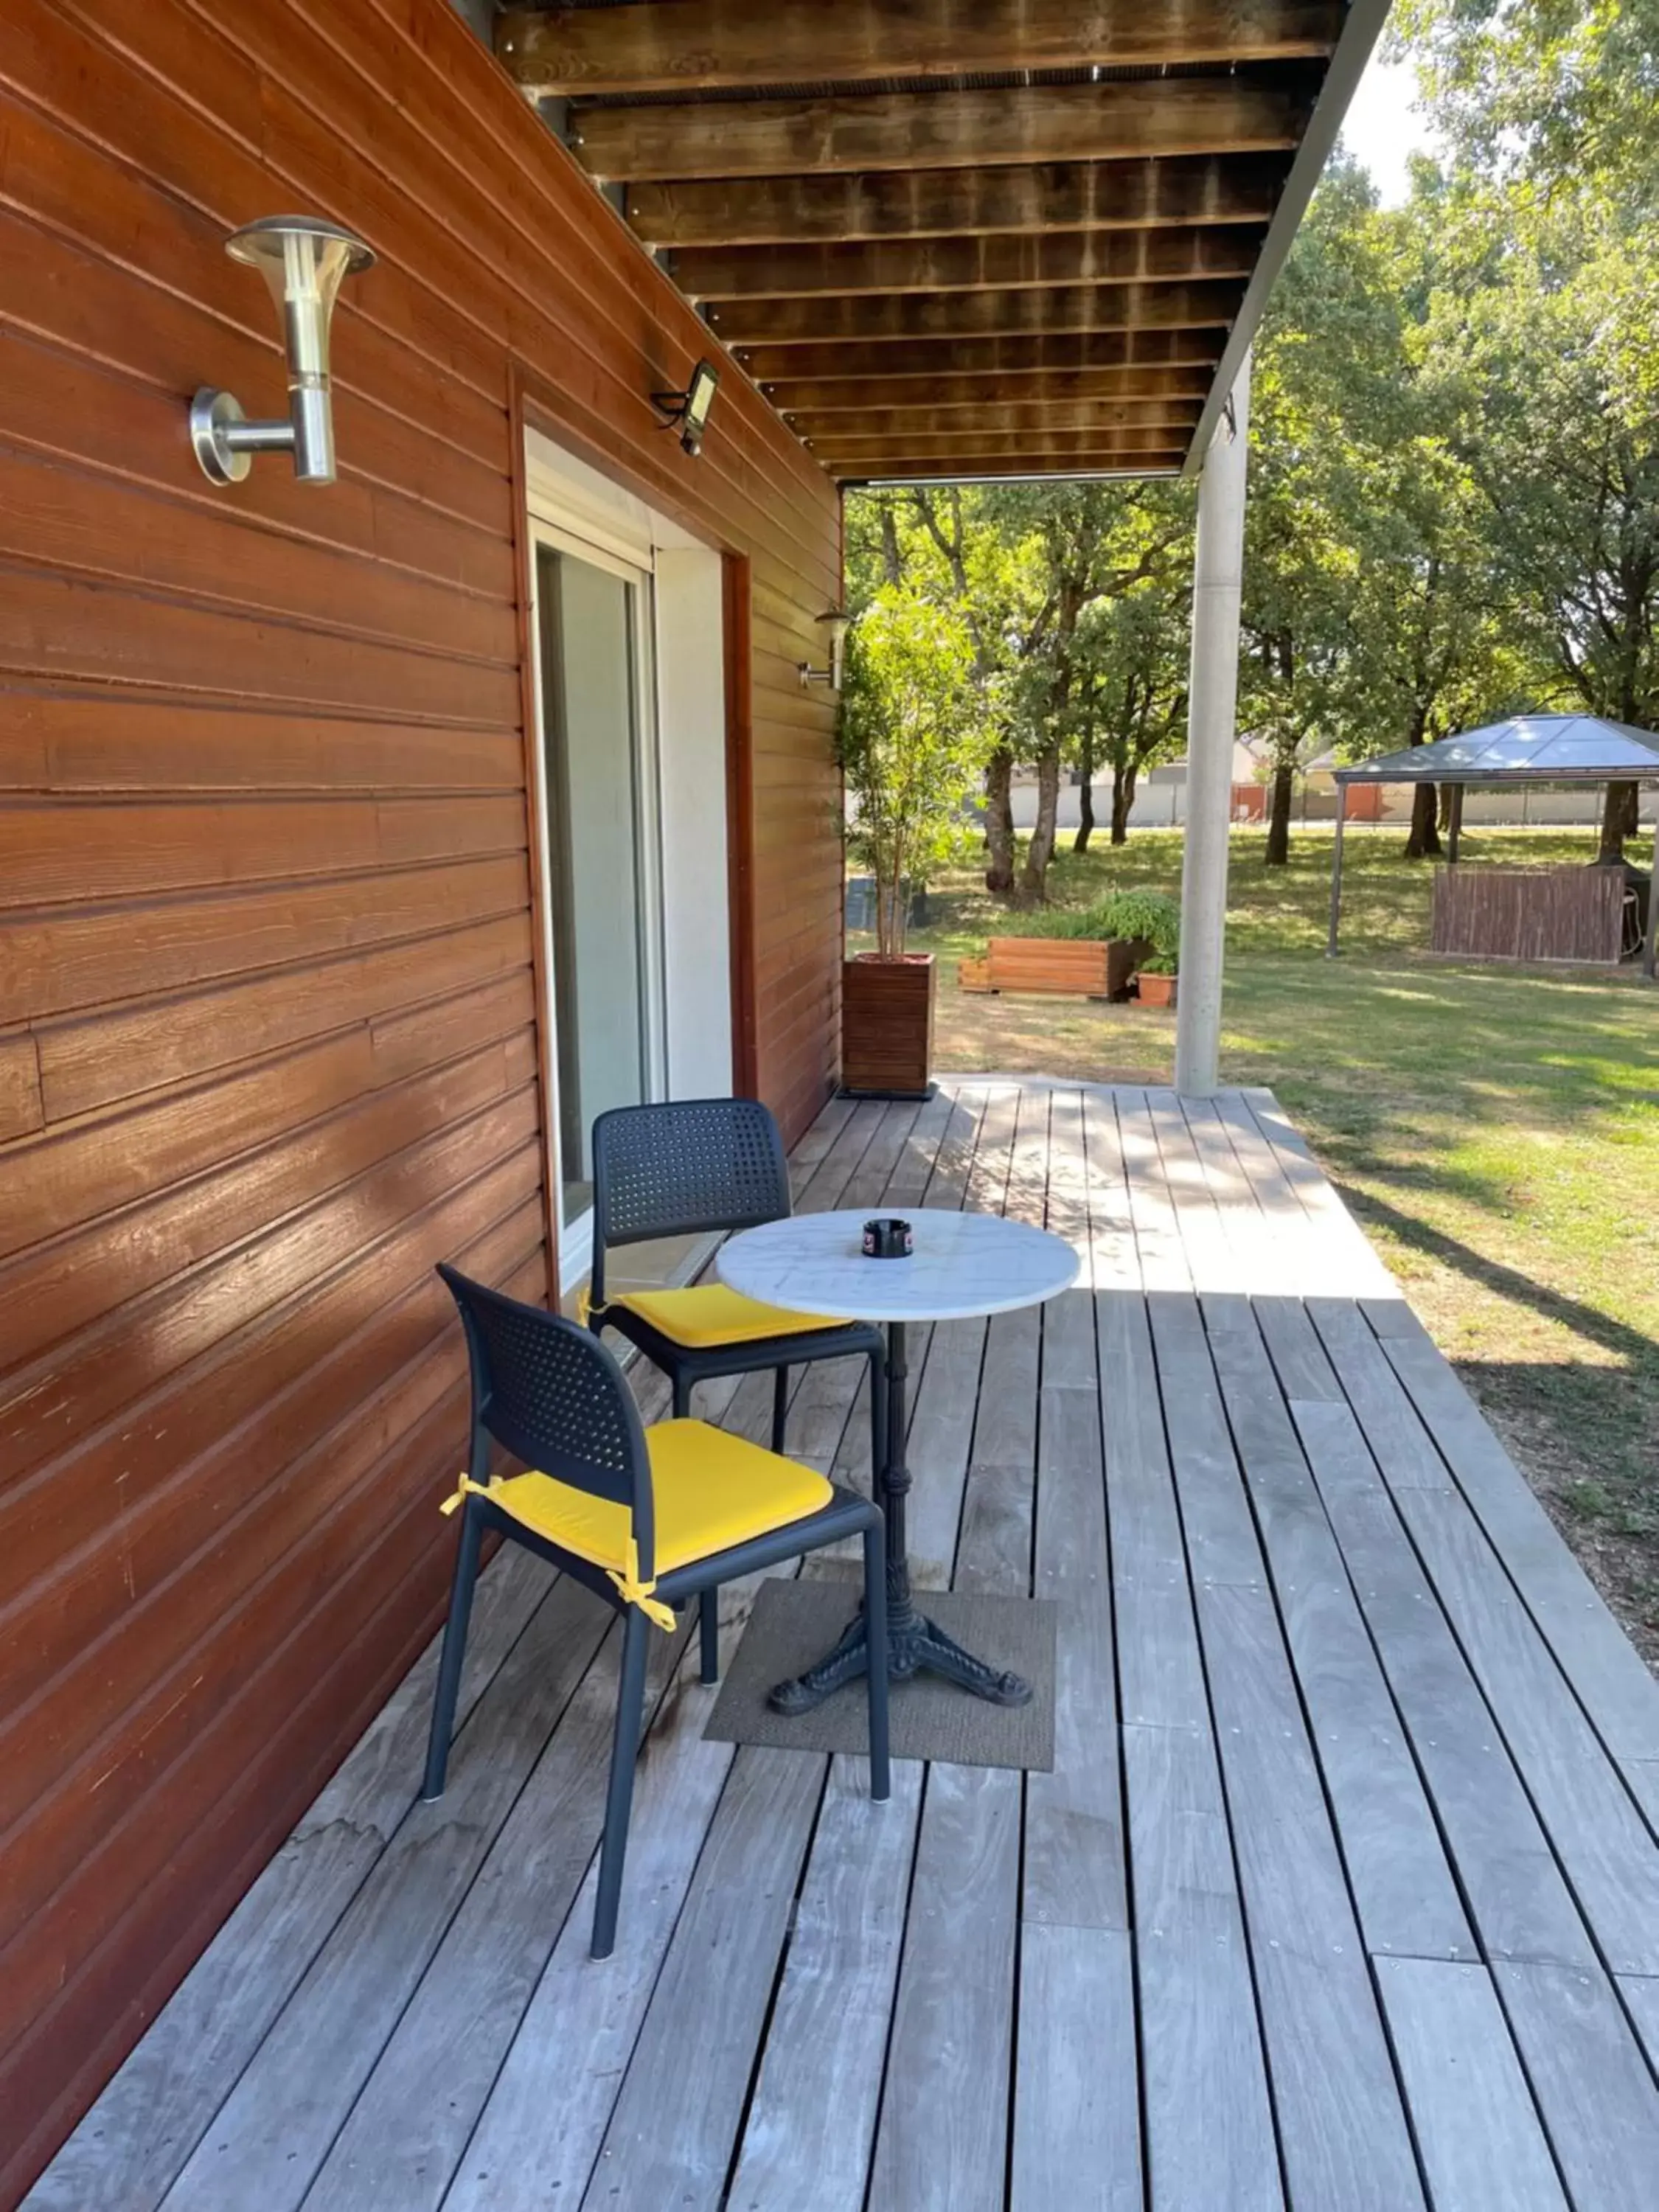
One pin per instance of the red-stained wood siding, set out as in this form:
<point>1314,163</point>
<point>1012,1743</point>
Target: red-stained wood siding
<point>268,1007</point>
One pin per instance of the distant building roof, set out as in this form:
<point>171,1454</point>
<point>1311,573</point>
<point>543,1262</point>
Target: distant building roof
<point>1525,749</point>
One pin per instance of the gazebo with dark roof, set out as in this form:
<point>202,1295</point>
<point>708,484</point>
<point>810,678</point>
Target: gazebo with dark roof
<point>1524,749</point>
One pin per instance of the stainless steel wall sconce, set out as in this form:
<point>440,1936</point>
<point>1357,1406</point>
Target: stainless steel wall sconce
<point>303,260</point>
<point>837,624</point>
<point>687,411</point>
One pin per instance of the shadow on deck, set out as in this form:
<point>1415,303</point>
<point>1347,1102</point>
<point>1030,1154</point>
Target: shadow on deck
<point>1344,1892</point>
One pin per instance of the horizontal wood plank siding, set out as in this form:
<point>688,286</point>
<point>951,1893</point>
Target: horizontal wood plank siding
<point>268,1005</point>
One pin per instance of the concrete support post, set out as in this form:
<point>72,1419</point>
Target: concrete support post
<point>1213,695</point>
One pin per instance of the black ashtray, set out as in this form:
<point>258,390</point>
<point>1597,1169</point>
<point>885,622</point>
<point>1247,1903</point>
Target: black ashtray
<point>887,1238</point>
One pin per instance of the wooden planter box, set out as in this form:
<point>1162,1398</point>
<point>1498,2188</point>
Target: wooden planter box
<point>1057,967</point>
<point>887,1024</point>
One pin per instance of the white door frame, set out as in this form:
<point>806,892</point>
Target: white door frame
<point>575,509</point>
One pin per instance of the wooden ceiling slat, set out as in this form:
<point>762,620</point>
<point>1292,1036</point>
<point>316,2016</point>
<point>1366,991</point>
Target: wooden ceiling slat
<point>929,130</point>
<point>1074,308</point>
<point>925,425</point>
<point>1065,353</point>
<point>959,264</point>
<point>942,469</point>
<point>1037,444</point>
<point>956,203</point>
<point>667,46</point>
<point>920,397</point>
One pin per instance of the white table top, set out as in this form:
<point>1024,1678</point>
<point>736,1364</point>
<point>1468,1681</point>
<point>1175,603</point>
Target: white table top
<point>963,1264</point>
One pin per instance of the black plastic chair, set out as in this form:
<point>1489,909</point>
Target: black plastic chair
<point>648,1519</point>
<point>693,1165</point>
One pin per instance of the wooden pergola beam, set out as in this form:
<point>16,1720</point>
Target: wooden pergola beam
<point>965,265</point>
<point>665,46</point>
<point>922,426</point>
<point>932,360</point>
<point>822,399</point>
<point>938,130</point>
<point>957,202</point>
<point>944,469</point>
<point>1079,308</point>
<point>966,445</point>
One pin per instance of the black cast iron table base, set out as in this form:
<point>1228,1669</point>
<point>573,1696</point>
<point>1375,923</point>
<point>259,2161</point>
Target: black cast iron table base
<point>915,1644</point>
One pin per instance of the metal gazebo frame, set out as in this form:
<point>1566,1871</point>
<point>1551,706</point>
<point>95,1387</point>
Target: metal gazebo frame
<point>1526,749</point>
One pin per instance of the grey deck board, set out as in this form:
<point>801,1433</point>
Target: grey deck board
<point>164,2098</point>
<point>1601,1838</point>
<point>677,2115</point>
<point>1076,2108</point>
<point>1342,2125</point>
<point>944,2108</point>
<point>1641,1998</point>
<point>275,2128</point>
<point>1209,2126</point>
<point>1215,1508</point>
<point>1343,1890</point>
<point>1404,1888</point>
<point>1506,1869</point>
<point>1616,1689</point>
<point>802,2147</point>
<point>543,2116</point>
<point>1593,2087</point>
<point>1471,2109</point>
<point>806,2143</point>
<point>1394,1432</point>
<point>408,2129</point>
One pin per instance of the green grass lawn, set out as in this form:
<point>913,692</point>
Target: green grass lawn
<point>1496,1130</point>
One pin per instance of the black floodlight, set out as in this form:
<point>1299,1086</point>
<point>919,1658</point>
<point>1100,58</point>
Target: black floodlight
<point>687,411</point>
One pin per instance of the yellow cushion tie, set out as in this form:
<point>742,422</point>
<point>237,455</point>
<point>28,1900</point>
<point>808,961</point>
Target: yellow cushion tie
<point>630,1587</point>
<point>634,1592</point>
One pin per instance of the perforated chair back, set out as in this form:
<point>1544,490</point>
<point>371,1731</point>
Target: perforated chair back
<point>549,1392</point>
<point>675,1169</point>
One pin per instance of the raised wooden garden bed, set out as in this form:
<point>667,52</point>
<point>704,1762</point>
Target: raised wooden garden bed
<point>1057,967</point>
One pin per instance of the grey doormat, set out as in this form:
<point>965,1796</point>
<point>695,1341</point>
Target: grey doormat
<point>794,1623</point>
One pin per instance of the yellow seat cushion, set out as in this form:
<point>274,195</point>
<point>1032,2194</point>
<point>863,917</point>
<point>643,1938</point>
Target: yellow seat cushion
<point>708,1315</point>
<point>710,1490</point>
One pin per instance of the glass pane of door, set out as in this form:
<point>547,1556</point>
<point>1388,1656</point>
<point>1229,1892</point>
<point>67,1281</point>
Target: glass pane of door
<point>590,619</point>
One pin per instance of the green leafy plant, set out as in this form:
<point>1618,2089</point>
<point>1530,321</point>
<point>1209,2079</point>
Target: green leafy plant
<point>911,739</point>
<point>1153,916</point>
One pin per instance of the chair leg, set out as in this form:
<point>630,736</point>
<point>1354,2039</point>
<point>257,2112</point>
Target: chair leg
<point>682,1396</point>
<point>619,1797</point>
<point>454,1651</point>
<point>875,1644</point>
<point>708,1633</point>
<point>780,1406</point>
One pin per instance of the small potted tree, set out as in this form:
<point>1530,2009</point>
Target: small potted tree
<point>911,740</point>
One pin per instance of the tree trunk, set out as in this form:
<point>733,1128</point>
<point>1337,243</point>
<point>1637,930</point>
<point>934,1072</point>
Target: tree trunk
<point>1000,822</point>
<point>1123,798</point>
<point>1619,816</point>
<point>891,560</point>
<point>1034,876</point>
<point>1423,843</point>
<point>1444,816</point>
<point>1086,794</point>
<point>1279,814</point>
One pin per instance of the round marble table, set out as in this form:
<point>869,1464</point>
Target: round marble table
<point>964,1266</point>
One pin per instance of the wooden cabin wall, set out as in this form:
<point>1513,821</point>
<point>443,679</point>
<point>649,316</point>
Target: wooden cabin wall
<point>268,1042</point>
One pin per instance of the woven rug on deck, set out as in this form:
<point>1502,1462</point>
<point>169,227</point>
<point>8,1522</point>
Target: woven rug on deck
<point>795,1622</point>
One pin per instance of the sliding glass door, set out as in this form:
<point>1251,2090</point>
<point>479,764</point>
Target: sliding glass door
<point>603,875</point>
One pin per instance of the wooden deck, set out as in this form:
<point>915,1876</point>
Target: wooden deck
<point>1343,1893</point>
